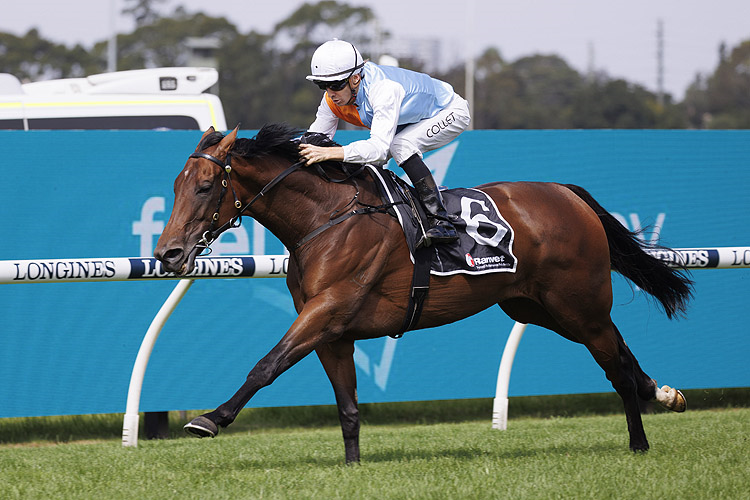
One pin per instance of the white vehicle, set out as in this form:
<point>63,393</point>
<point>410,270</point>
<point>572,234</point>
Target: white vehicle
<point>159,98</point>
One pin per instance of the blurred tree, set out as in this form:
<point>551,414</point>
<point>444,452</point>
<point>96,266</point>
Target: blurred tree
<point>724,101</point>
<point>613,104</point>
<point>696,102</point>
<point>144,12</point>
<point>496,90</point>
<point>163,43</point>
<point>543,92</point>
<point>313,24</point>
<point>245,81</point>
<point>32,58</point>
<point>273,87</point>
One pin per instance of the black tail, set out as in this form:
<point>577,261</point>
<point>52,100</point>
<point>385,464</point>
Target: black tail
<point>671,287</point>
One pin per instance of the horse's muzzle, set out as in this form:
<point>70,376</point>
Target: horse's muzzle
<point>171,259</point>
<point>175,260</point>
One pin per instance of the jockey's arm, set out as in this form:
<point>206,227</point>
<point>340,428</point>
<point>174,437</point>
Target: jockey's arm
<point>325,123</point>
<point>385,98</point>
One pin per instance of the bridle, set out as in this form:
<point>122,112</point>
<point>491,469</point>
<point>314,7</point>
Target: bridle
<point>213,232</point>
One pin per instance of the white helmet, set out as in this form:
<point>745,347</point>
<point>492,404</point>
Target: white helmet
<point>335,60</point>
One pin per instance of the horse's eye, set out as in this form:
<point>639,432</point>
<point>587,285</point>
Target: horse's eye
<point>204,188</point>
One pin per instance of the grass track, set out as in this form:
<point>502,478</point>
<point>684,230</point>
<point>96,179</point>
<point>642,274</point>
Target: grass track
<point>698,454</point>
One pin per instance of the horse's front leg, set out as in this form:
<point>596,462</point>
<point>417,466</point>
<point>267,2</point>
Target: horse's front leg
<point>320,321</point>
<point>337,359</point>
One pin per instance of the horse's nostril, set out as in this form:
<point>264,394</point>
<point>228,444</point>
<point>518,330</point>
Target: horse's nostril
<point>172,255</point>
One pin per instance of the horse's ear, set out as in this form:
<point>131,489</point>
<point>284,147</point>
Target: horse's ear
<point>226,143</point>
<point>208,132</point>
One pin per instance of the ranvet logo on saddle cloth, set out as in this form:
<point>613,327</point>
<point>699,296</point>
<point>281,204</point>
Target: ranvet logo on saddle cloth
<point>485,242</point>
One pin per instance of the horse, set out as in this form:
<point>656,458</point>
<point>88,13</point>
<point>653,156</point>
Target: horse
<point>352,280</point>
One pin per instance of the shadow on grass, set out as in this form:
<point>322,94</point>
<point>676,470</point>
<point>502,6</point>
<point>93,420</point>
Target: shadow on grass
<point>71,428</point>
<point>459,453</point>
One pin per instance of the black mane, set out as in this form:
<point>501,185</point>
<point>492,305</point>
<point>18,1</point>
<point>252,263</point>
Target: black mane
<point>276,138</point>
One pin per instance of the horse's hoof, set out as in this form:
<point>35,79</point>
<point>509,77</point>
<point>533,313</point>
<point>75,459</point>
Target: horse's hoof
<point>671,399</point>
<point>680,404</point>
<point>639,448</point>
<point>201,427</point>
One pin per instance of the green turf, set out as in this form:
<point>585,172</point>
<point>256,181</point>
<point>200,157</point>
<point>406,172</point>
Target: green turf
<point>698,454</point>
<point>555,447</point>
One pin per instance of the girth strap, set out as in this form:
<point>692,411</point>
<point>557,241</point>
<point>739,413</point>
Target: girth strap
<point>420,287</point>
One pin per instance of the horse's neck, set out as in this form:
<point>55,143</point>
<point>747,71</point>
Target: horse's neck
<point>297,205</point>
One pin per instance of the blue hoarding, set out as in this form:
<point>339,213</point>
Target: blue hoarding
<point>69,348</point>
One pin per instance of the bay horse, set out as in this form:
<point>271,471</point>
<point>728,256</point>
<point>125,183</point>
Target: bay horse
<point>352,281</point>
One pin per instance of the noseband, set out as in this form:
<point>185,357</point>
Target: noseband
<point>226,184</point>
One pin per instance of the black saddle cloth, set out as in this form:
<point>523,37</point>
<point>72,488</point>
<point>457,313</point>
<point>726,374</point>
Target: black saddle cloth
<point>485,243</point>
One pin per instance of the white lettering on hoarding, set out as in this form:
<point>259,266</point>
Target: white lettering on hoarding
<point>203,267</point>
<point>635,226</point>
<point>232,242</point>
<point>147,227</point>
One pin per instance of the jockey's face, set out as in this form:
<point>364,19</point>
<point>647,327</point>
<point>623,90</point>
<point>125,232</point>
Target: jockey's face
<point>347,94</point>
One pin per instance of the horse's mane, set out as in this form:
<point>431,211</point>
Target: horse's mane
<point>276,138</point>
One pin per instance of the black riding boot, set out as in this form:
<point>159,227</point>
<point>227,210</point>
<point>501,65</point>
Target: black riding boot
<point>439,228</point>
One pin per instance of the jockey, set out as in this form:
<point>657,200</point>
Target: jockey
<point>408,114</point>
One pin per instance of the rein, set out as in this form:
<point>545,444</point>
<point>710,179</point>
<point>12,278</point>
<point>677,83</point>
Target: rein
<point>366,209</point>
<point>213,232</point>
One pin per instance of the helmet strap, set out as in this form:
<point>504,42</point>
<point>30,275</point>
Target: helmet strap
<point>351,75</point>
<point>354,88</point>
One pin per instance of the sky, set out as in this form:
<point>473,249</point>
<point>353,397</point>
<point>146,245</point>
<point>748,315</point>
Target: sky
<point>617,37</point>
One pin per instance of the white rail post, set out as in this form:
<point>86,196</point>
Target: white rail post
<point>500,403</point>
<point>130,421</point>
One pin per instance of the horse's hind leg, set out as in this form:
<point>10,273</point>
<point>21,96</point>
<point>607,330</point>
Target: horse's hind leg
<point>622,370</point>
<point>337,359</point>
<point>668,397</point>
<point>606,345</point>
<point>646,386</point>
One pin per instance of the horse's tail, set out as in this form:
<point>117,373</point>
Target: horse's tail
<point>627,253</point>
